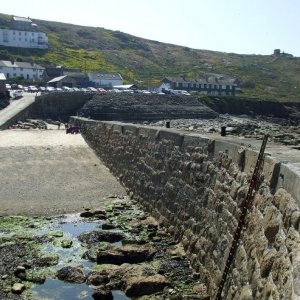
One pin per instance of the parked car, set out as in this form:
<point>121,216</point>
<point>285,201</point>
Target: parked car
<point>32,89</point>
<point>17,94</point>
<point>91,89</point>
<point>101,90</point>
<point>50,89</point>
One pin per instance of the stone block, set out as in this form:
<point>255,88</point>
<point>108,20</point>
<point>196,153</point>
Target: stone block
<point>174,137</point>
<point>130,129</point>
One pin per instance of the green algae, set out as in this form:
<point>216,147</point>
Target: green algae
<point>19,224</point>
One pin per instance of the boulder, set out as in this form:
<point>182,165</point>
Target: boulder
<point>18,288</point>
<point>71,274</point>
<point>145,285</point>
<point>100,236</point>
<point>125,254</point>
<point>102,294</point>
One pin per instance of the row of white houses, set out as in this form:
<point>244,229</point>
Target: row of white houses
<point>217,85</point>
<point>211,85</point>
<point>36,73</point>
<point>29,71</point>
<point>23,33</point>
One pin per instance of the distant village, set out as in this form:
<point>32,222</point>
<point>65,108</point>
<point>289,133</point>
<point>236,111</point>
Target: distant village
<point>23,33</point>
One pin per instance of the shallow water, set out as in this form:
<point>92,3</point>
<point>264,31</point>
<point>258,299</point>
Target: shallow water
<point>71,226</point>
<point>60,290</point>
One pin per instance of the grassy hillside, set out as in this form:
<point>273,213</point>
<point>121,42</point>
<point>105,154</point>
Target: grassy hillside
<point>146,62</point>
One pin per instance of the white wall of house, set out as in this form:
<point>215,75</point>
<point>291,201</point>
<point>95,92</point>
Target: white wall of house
<point>27,73</point>
<point>164,86</point>
<point>105,80</point>
<point>23,39</point>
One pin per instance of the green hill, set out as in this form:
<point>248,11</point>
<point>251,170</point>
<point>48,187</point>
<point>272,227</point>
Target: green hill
<point>146,62</point>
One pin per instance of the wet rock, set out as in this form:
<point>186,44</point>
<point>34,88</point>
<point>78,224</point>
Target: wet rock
<point>125,254</point>
<point>71,274</point>
<point>20,272</point>
<point>55,234</point>
<point>18,288</point>
<point>36,278</point>
<point>108,226</point>
<point>102,294</point>
<point>86,214</point>
<point>97,279</point>
<point>47,260</point>
<point>66,243</point>
<point>100,214</point>
<point>142,285</point>
<point>100,236</point>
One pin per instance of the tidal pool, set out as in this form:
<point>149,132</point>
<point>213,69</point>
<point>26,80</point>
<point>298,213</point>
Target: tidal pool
<point>54,289</point>
<point>71,227</point>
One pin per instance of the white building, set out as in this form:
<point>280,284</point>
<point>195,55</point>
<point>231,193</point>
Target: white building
<point>23,33</point>
<point>29,71</point>
<point>105,80</point>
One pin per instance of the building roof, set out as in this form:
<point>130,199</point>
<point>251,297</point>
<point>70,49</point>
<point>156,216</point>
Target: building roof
<point>125,86</point>
<point>110,76</point>
<point>76,75</point>
<point>53,72</point>
<point>206,80</point>
<point>22,19</point>
<point>2,76</point>
<point>56,79</point>
<point>17,64</point>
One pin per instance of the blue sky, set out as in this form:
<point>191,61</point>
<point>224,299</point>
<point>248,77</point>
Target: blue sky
<point>239,26</point>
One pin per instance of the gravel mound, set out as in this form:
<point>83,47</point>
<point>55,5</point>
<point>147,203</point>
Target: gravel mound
<point>144,107</point>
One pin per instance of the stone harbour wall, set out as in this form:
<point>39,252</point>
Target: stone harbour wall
<point>58,105</point>
<point>195,186</point>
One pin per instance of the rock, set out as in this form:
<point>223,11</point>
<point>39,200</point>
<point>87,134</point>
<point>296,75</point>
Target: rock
<point>267,262</point>
<point>246,293</point>
<point>86,214</point>
<point>66,243</point>
<point>20,272</point>
<point>36,278</point>
<point>71,274</point>
<point>100,236</point>
<point>125,254</point>
<point>102,294</point>
<point>18,288</point>
<point>142,285</point>
<point>97,279</point>
<point>108,226</point>
<point>271,223</point>
<point>48,260</point>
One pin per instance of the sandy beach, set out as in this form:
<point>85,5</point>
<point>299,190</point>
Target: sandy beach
<point>49,172</point>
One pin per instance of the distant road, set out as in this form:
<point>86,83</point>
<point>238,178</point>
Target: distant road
<point>15,107</point>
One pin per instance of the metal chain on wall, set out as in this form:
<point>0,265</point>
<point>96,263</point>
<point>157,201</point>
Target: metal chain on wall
<point>246,205</point>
